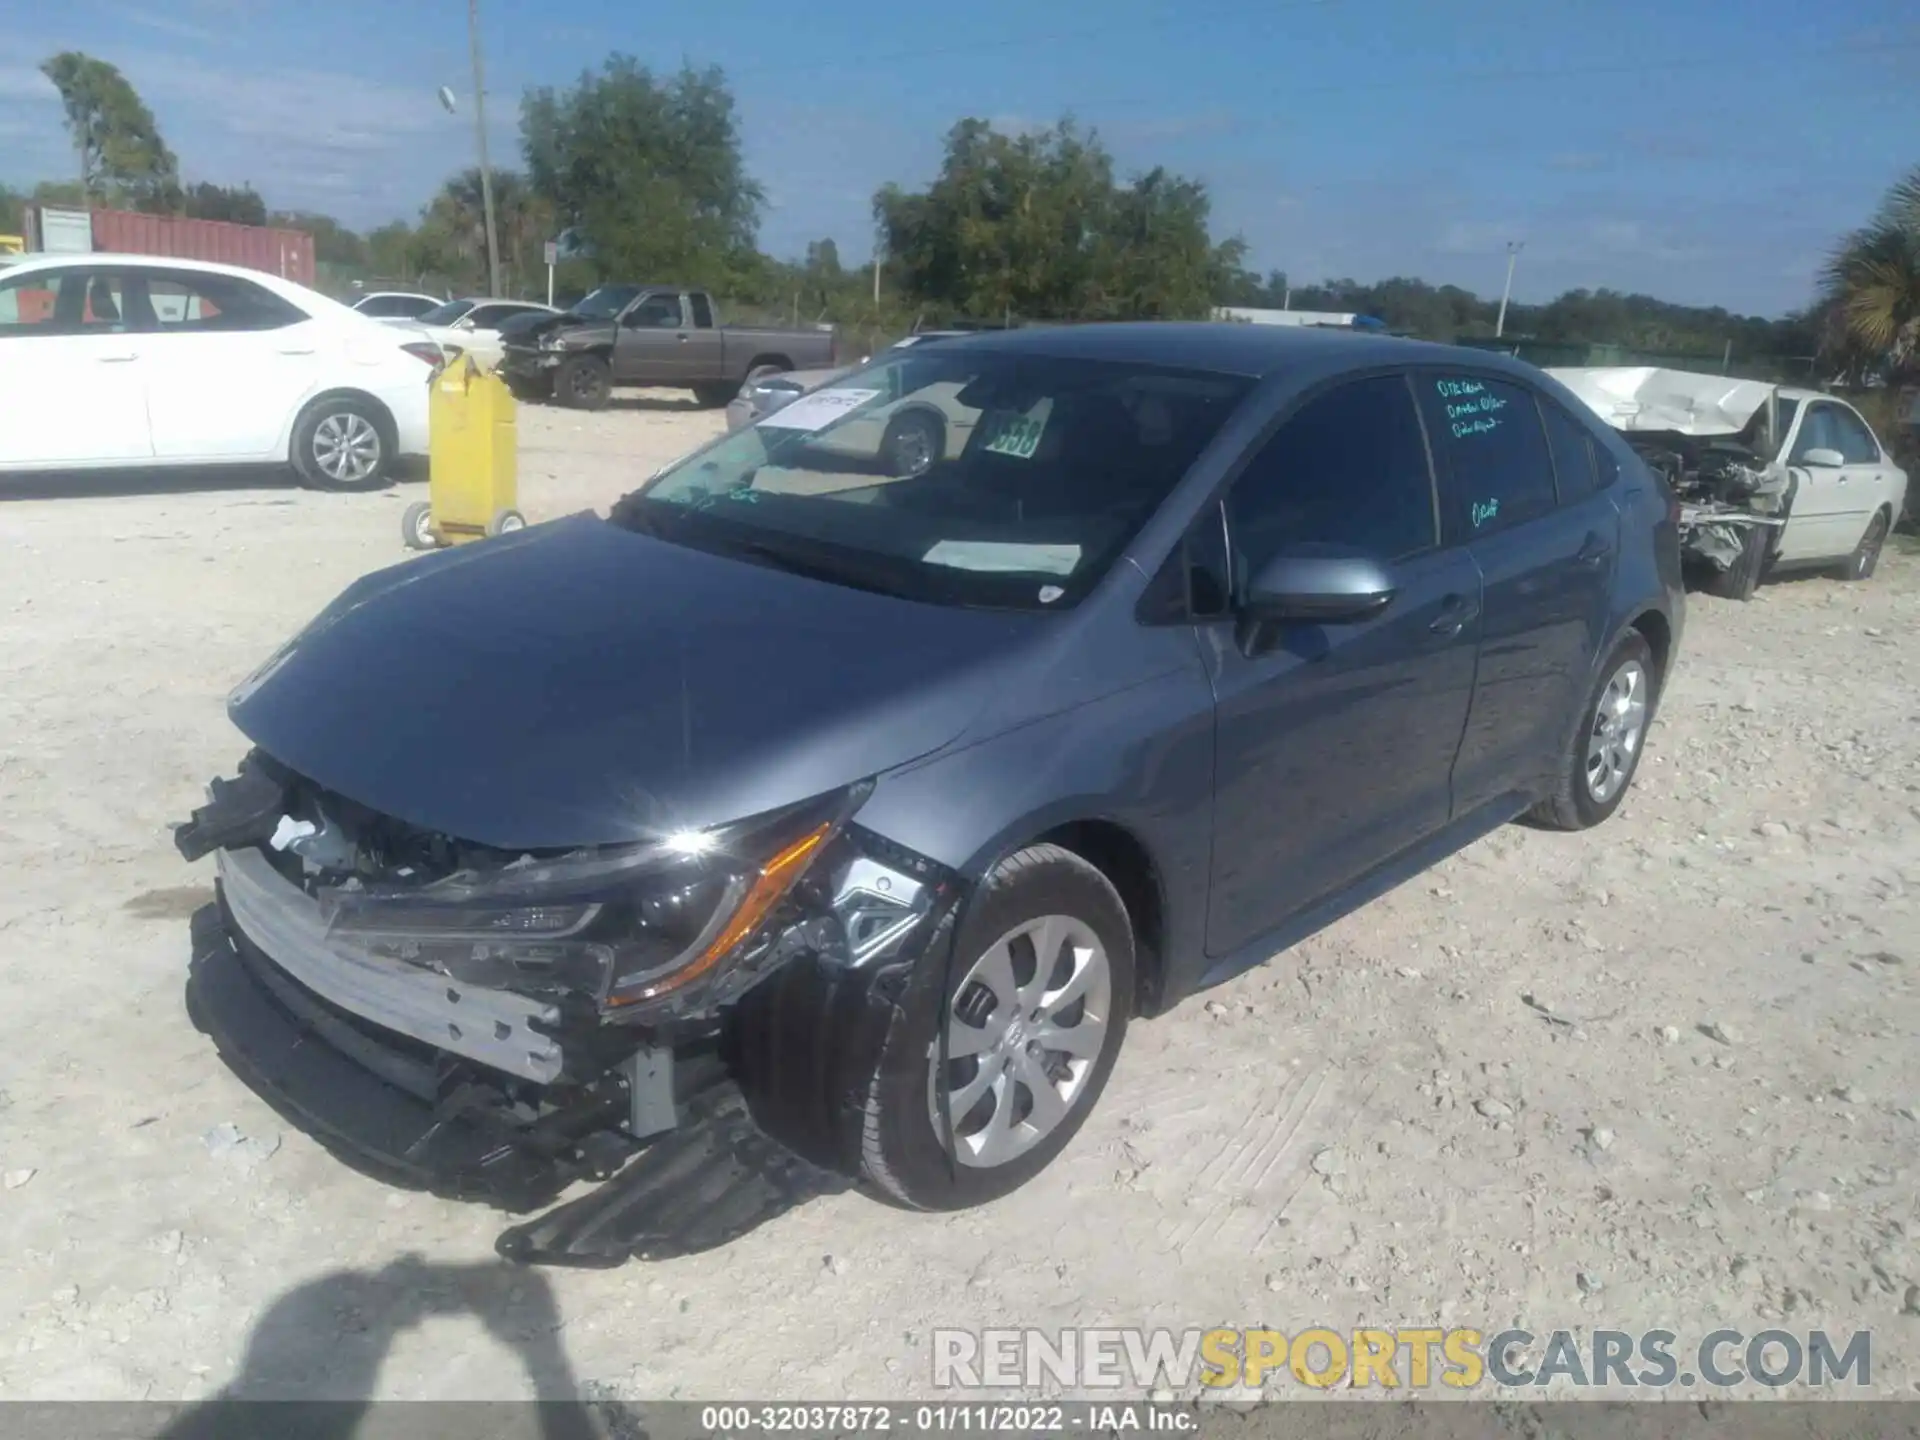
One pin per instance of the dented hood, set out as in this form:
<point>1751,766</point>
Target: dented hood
<point>580,684</point>
<point>1643,397</point>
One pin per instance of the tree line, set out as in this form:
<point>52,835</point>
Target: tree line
<point>642,177</point>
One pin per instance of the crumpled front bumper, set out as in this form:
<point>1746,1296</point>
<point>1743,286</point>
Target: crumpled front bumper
<point>508,1032</point>
<point>401,1111</point>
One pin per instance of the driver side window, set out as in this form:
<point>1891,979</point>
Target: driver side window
<point>656,312</point>
<point>1817,432</point>
<point>1350,469</point>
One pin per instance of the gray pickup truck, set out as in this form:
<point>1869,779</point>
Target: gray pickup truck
<point>651,335</point>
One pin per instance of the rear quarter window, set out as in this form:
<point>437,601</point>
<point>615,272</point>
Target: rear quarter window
<point>1491,449</point>
<point>1576,470</point>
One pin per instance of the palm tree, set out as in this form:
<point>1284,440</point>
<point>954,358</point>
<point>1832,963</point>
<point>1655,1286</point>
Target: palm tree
<point>1873,281</point>
<point>455,227</point>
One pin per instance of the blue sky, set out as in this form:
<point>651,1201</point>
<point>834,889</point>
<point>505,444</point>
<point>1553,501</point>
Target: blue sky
<point>1707,151</point>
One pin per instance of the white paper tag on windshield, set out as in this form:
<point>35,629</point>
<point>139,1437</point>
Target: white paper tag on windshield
<point>817,411</point>
<point>1005,557</point>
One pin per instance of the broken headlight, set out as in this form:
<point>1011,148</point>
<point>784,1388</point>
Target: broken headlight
<point>626,926</point>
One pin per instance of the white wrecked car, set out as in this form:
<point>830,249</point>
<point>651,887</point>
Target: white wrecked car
<point>1769,477</point>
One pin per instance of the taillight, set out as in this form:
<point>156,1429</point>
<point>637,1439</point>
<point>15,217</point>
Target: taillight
<point>423,350</point>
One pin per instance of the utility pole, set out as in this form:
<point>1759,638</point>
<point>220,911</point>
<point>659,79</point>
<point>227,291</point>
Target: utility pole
<point>480,133</point>
<point>1514,247</point>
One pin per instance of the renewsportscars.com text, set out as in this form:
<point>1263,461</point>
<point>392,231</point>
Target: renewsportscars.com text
<point>1410,1358</point>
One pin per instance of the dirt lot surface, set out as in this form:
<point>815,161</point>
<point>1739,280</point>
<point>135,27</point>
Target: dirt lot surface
<point>1663,1074</point>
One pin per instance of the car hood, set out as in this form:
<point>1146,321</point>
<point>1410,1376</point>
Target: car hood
<point>580,684</point>
<point>575,328</point>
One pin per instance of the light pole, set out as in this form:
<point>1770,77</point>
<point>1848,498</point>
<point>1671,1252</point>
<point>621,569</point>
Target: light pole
<point>480,133</point>
<point>1514,247</point>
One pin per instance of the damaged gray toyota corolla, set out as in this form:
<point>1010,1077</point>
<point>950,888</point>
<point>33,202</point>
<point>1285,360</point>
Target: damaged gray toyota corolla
<point>808,822</point>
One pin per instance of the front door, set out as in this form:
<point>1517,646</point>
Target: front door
<point>1335,742</point>
<point>72,373</point>
<point>1546,548</point>
<point>649,347</point>
<point>1827,514</point>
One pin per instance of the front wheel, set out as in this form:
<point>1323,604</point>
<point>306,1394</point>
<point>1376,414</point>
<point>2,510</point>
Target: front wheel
<point>341,444</point>
<point>914,444</point>
<point>1042,987</point>
<point>585,382</point>
<point>416,527</point>
<point>1866,555</point>
<point>1604,752</point>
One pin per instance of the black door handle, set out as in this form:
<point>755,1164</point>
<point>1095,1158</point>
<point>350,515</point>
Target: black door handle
<point>1594,552</point>
<point>1455,612</point>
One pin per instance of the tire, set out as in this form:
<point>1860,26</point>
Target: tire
<point>505,522</point>
<point>1577,803</point>
<point>584,382</point>
<point>416,527</point>
<point>713,396</point>
<point>1740,579</point>
<point>914,444</point>
<point>902,1154</point>
<point>342,443</point>
<point>1866,555</point>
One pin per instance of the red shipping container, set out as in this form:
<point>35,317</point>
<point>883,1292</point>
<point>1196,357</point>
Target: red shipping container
<point>286,253</point>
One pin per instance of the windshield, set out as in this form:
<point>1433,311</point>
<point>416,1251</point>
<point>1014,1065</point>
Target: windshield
<point>607,302</point>
<point>446,314</point>
<point>959,477</point>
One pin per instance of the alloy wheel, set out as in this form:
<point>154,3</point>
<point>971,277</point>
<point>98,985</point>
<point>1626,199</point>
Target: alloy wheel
<point>1619,723</point>
<point>346,447</point>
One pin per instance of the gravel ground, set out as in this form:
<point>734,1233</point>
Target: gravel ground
<point>1658,1075</point>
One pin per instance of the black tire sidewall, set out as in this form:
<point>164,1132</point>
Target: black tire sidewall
<point>1866,555</point>
<point>308,468</point>
<point>1041,880</point>
<point>566,388</point>
<point>1631,646</point>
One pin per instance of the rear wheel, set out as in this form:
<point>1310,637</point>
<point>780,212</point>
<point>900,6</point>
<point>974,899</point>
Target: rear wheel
<point>1604,751</point>
<point>1866,555</point>
<point>341,444</point>
<point>505,522</point>
<point>1042,987</point>
<point>416,526</point>
<point>585,382</point>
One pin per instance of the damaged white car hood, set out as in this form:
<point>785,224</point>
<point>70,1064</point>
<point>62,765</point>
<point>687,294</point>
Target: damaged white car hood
<point>1643,397</point>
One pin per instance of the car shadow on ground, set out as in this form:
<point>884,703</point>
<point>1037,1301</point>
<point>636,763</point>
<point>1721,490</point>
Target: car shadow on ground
<point>277,480</point>
<point>317,1351</point>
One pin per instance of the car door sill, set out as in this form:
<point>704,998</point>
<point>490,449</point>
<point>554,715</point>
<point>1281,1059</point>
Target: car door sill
<point>1457,835</point>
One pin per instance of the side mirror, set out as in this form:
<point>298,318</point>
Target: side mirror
<point>1320,584</point>
<point>1823,458</point>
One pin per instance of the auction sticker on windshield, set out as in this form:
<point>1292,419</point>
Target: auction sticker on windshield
<point>818,410</point>
<point>1005,556</point>
<point>1015,435</point>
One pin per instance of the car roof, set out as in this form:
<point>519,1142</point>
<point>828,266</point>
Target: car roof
<point>159,262</point>
<point>1226,348</point>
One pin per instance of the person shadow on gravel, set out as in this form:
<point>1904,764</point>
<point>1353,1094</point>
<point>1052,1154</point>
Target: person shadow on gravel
<point>313,1360</point>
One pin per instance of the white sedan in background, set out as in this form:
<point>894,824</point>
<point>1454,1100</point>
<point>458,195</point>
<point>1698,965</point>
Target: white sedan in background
<point>137,361</point>
<point>472,326</point>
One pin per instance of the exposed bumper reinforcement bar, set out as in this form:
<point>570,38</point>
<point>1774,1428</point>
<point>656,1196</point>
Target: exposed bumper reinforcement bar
<point>494,1027</point>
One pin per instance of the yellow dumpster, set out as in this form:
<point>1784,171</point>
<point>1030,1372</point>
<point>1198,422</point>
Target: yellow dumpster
<point>473,461</point>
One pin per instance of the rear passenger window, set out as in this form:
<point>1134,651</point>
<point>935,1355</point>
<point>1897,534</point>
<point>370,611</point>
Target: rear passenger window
<point>1488,439</point>
<point>1573,463</point>
<point>1349,469</point>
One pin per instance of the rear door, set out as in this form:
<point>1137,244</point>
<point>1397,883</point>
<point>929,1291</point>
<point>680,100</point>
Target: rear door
<point>649,347</point>
<point>1866,479</point>
<point>1545,536</point>
<point>72,371</point>
<point>1335,742</point>
<point>229,362</point>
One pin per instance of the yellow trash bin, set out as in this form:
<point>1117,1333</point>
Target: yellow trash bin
<point>473,461</point>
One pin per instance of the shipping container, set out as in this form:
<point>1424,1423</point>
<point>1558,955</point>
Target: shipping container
<point>286,253</point>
